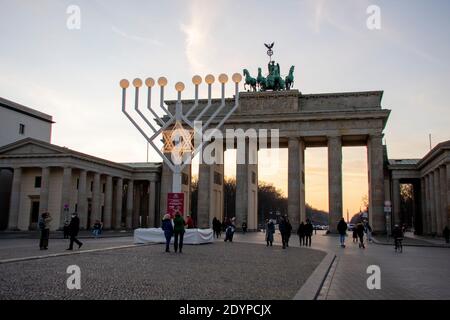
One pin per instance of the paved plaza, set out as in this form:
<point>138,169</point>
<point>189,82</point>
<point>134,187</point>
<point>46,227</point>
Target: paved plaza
<point>113,268</point>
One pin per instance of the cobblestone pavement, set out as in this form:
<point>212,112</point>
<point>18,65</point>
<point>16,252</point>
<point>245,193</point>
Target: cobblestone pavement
<point>22,248</point>
<point>417,273</point>
<point>217,271</point>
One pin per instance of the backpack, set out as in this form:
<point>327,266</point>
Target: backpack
<point>41,223</point>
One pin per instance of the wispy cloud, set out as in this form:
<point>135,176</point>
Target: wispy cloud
<point>136,38</point>
<point>198,31</point>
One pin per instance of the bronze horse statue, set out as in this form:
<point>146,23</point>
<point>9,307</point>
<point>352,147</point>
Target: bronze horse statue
<point>249,80</point>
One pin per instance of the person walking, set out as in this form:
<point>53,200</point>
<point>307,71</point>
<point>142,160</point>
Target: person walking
<point>73,229</point>
<point>288,231</point>
<point>301,233</point>
<point>308,232</point>
<point>368,231</point>
<point>66,228</point>
<point>231,228</point>
<point>342,230</point>
<point>44,226</point>
<point>178,232</point>
<point>216,227</point>
<point>282,226</point>
<point>360,232</point>
<point>446,234</point>
<point>270,230</point>
<point>168,230</point>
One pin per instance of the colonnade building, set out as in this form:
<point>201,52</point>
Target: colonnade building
<point>37,176</point>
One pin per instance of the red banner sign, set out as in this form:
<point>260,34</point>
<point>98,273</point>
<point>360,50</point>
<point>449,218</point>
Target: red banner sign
<point>175,203</point>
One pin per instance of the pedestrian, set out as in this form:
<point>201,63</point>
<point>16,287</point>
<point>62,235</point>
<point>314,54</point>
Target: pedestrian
<point>168,230</point>
<point>270,230</point>
<point>368,231</point>
<point>355,235</point>
<point>97,227</point>
<point>446,234</point>
<point>190,222</point>
<point>44,226</point>
<point>288,231</point>
<point>178,231</point>
<point>282,226</point>
<point>231,228</point>
<point>216,227</point>
<point>301,233</point>
<point>66,228</point>
<point>342,229</point>
<point>360,232</point>
<point>244,227</point>
<point>73,229</point>
<point>308,232</point>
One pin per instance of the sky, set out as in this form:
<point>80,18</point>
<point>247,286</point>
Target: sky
<point>73,74</point>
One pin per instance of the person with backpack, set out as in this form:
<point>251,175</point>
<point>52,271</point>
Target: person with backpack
<point>97,228</point>
<point>342,230</point>
<point>231,228</point>
<point>288,231</point>
<point>73,229</point>
<point>44,227</point>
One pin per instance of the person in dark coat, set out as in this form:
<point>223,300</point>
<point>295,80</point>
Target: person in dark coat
<point>288,231</point>
<point>282,226</point>
<point>73,229</point>
<point>342,229</point>
<point>446,234</point>
<point>168,230</point>
<point>44,226</point>
<point>308,232</point>
<point>244,227</point>
<point>229,231</point>
<point>360,232</point>
<point>301,233</point>
<point>270,231</point>
<point>216,227</point>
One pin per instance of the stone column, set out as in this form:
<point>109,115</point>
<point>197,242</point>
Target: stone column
<point>96,207</point>
<point>108,202</point>
<point>423,203</point>
<point>432,204</point>
<point>428,203</point>
<point>82,200</point>
<point>129,217</point>
<point>376,183</point>
<point>296,198</point>
<point>334,182</point>
<point>14,203</point>
<point>119,195</point>
<point>397,201</point>
<point>136,205</point>
<point>204,194</point>
<point>443,197</point>
<point>151,204</point>
<point>247,186</point>
<point>45,183</point>
<point>437,201</point>
<point>65,195</point>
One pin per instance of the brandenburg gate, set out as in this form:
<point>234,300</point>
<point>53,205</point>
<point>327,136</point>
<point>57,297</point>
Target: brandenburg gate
<point>332,120</point>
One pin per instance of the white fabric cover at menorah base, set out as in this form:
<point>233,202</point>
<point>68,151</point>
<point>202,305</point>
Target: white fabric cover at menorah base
<point>156,235</point>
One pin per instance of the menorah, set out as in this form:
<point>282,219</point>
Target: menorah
<point>178,140</point>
